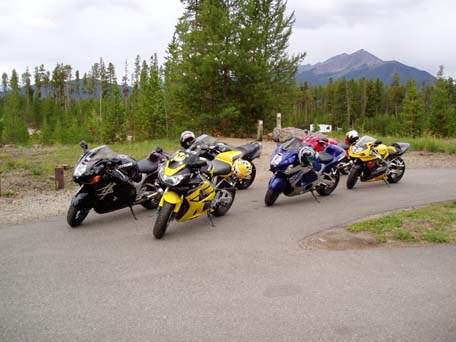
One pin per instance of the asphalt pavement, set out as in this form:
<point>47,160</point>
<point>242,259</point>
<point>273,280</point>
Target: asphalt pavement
<point>246,279</point>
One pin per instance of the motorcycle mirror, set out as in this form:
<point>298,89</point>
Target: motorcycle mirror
<point>158,149</point>
<point>83,145</point>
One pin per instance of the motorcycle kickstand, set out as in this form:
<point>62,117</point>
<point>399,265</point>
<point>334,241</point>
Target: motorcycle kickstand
<point>210,216</point>
<point>133,213</point>
<point>314,196</point>
<point>386,182</point>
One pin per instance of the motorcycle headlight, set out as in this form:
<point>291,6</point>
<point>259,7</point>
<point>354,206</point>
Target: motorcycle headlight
<point>169,180</point>
<point>276,160</point>
<point>79,170</point>
<point>356,149</point>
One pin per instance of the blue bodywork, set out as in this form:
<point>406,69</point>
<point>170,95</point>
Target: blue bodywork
<point>285,159</point>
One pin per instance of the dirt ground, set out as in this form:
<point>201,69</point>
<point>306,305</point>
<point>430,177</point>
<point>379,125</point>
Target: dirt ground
<point>34,200</point>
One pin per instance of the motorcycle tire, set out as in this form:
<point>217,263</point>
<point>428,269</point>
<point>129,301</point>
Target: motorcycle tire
<point>243,184</point>
<point>75,216</point>
<point>326,190</point>
<point>165,214</point>
<point>221,210</point>
<point>398,169</point>
<point>352,178</point>
<point>271,197</point>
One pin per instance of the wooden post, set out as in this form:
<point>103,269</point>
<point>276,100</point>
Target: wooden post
<point>279,121</point>
<point>260,130</point>
<point>59,177</point>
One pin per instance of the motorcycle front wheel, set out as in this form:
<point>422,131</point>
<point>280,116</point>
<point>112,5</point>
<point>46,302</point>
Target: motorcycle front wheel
<point>243,184</point>
<point>226,201</point>
<point>165,214</point>
<point>352,178</point>
<point>271,197</point>
<point>396,170</point>
<point>75,216</point>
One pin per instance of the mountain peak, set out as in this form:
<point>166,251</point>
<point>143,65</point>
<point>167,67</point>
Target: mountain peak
<point>360,63</point>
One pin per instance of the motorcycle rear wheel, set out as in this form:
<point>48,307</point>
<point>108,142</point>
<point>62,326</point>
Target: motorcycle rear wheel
<point>271,197</point>
<point>75,216</point>
<point>352,178</point>
<point>396,170</point>
<point>243,184</point>
<point>165,214</point>
<point>326,190</point>
<point>223,208</point>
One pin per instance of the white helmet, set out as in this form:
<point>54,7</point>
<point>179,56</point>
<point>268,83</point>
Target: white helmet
<point>352,136</point>
<point>186,139</point>
<point>306,155</point>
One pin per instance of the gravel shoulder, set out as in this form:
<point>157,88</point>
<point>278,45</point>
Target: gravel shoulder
<point>34,202</point>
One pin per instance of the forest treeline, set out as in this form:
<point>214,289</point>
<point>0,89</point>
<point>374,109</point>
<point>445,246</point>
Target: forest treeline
<point>226,67</point>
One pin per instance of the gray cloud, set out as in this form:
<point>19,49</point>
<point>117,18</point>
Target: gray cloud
<point>312,14</point>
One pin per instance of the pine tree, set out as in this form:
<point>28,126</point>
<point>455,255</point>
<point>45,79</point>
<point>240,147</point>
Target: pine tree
<point>442,112</point>
<point>228,60</point>
<point>14,125</point>
<point>413,113</point>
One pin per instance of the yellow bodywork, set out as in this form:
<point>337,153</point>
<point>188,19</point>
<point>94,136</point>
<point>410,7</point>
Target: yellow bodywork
<point>199,201</point>
<point>365,155</point>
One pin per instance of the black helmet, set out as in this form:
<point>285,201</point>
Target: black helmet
<point>186,139</point>
<point>306,155</point>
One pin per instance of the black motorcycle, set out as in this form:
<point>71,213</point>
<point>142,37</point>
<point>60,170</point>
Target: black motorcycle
<point>244,168</point>
<point>111,181</point>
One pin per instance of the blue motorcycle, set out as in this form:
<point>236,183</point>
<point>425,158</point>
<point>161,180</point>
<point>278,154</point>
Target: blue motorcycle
<point>298,168</point>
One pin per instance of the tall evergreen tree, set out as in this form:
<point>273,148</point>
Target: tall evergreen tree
<point>412,116</point>
<point>14,125</point>
<point>442,112</point>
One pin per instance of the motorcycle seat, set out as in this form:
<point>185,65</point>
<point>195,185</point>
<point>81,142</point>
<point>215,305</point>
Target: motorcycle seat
<point>147,166</point>
<point>325,157</point>
<point>400,148</point>
<point>248,150</point>
<point>220,168</point>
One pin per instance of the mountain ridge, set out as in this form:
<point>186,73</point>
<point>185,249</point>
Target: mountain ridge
<point>359,64</point>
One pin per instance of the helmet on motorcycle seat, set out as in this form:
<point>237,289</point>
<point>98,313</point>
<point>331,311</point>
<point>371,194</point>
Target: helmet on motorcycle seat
<point>186,139</point>
<point>306,155</point>
<point>351,136</point>
<point>242,168</point>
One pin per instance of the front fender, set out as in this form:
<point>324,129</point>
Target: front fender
<point>172,198</point>
<point>278,183</point>
<point>83,199</point>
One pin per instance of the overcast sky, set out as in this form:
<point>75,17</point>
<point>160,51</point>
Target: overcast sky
<point>419,33</point>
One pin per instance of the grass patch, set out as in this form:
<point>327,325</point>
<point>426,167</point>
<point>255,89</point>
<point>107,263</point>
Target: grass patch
<point>43,160</point>
<point>434,224</point>
<point>8,194</point>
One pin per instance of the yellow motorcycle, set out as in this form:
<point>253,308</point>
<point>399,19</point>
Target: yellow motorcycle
<point>374,161</point>
<point>195,186</point>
